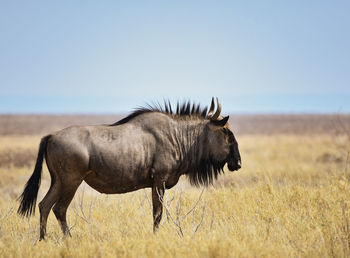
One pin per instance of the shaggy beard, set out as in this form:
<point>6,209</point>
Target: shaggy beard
<point>206,172</point>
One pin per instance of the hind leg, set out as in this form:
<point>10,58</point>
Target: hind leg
<point>61,206</point>
<point>46,204</point>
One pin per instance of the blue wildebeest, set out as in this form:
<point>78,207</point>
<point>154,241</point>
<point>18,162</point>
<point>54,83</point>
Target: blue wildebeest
<point>152,147</point>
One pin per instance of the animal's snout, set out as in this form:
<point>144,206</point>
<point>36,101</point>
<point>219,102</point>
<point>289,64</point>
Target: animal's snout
<point>233,166</point>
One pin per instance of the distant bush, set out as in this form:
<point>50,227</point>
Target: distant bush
<point>17,158</point>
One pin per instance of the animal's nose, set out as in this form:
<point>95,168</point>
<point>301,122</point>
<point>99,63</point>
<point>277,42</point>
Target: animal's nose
<point>239,164</point>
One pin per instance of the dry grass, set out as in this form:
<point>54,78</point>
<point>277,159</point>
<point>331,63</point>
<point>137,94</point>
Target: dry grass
<point>291,198</point>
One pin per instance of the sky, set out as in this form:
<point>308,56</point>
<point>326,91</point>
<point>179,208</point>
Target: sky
<point>112,56</point>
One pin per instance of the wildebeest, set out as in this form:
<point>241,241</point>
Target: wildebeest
<point>152,147</point>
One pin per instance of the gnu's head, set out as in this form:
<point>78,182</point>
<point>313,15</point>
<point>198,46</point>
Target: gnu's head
<point>223,144</point>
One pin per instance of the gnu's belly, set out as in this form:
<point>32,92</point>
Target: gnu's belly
<point>116,184</point>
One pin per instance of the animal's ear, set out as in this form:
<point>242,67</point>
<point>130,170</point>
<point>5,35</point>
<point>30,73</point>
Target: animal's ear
<point>221,122</point>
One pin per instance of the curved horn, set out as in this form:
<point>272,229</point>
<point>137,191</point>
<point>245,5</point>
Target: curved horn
<point>212,106</point>
<point>218,110</point>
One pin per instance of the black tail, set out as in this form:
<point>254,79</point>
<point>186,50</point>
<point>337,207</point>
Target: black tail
<point>30,193</point>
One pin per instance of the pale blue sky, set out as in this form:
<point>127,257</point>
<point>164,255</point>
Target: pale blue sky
<point>110,56</point>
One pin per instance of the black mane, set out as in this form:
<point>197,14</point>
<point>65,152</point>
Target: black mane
<point>185,109</point>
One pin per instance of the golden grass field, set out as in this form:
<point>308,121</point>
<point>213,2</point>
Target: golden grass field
<point>290,199</point>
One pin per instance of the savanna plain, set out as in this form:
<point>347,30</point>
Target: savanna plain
<point>290,199</point>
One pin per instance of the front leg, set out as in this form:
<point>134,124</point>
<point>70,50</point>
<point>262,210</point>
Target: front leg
<point>157,200</point>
